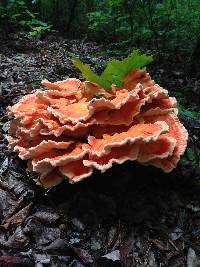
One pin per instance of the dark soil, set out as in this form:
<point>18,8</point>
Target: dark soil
<point>129,216</point>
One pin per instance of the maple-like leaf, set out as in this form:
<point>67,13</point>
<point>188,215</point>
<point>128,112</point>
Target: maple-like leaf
<point>115,70</point>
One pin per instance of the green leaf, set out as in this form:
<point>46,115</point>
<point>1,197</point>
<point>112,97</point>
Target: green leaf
<point>36,83</point>
<point>21,3</point>
<point>115,70</point>
<point>86,71</point>
<point>97,95</point>
<point>23,22</point>
<point>184,112</point>
<point>32,15</point>
<point>191,155</point>
<point>33,33</point>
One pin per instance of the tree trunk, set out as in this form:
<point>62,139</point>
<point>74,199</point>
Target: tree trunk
<point>72,15</point>
<point>56,14</point>
<point>195,60</point>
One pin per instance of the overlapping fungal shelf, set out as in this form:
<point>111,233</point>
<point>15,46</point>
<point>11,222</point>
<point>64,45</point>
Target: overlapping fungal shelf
<point>73,127</point>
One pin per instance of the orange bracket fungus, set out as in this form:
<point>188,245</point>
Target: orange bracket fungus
<point>73,127</point>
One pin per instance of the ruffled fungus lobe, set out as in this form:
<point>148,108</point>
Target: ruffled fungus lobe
<point>73,127</point>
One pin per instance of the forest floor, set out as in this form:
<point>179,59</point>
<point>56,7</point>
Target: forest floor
<point>129,216</point>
